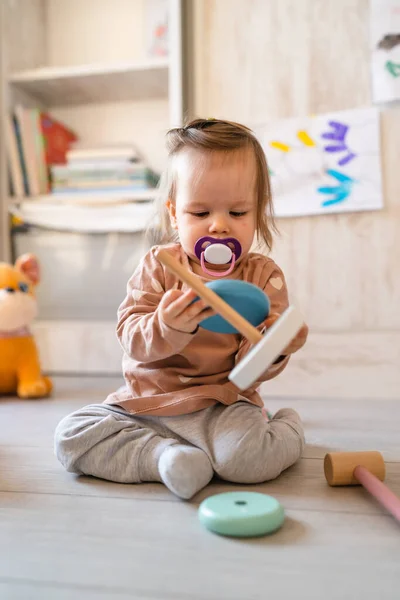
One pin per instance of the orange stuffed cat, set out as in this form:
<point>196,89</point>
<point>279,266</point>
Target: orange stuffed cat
<point>19,361</point>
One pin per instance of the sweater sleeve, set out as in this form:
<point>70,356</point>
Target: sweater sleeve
<point>273,284</point>
<point>142,334</point>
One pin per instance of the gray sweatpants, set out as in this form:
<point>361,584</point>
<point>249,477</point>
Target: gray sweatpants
<point>107,442</point>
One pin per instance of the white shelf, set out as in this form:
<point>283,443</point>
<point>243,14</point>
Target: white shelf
<point>89,198</point>
<point>60,86</point>
<point>81,218</point>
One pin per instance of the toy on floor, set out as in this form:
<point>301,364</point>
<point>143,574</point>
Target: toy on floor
<point>266,347</point>
<point>365,468</point>
<point>241,514</point>
<point>19,361</point>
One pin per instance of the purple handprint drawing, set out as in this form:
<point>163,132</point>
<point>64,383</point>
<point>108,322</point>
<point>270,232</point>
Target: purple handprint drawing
<point>338,134</point>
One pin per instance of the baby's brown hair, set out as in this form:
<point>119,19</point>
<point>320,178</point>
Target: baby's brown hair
<point>215,135</point>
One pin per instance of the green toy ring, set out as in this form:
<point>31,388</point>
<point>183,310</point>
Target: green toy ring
<point>241,514</point>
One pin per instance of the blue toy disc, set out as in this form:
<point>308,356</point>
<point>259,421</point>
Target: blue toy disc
<point>247,299</point>
<point>241,514</point>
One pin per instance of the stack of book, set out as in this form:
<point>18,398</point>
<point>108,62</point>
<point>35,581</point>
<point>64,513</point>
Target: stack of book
<point>35,141</point>
<point>102,170</point>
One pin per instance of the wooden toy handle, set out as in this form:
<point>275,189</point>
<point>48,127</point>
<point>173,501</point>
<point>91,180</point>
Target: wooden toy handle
<point>212,299</point>
<point>379,491</point>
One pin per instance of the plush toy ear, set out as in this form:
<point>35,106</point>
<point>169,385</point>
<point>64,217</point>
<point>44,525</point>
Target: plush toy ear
<point>29,266</point>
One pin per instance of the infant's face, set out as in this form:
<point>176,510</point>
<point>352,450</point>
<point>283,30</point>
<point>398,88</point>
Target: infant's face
<point>215,196</point>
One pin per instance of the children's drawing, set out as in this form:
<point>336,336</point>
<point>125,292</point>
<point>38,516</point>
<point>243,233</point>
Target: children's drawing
<point>156,27</point>
<point>324,164</point>
<point>385,49</point>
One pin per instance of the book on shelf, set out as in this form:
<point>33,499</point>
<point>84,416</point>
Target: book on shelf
<point>25,127</point>
<point>136,176</point>
<point>40,151</point>
<point>110,191</point>
<point>34,141</point>
<point>101,168</point>
<point>78,166</point>
<point>120,152</point>
<point>16,167</point>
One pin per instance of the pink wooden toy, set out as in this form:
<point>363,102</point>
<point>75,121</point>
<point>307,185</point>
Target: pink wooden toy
<point>365,468</point>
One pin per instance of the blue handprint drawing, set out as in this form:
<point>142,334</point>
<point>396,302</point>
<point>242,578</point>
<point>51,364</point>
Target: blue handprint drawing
<point>338,192</point>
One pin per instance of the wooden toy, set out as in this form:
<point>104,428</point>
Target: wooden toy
<point>241,514</point>
<point>246,298</point>
<point>365,468</point>
<point>266,348</point>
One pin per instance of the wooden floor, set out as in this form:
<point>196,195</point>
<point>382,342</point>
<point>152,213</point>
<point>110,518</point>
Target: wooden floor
<point>63,537</point>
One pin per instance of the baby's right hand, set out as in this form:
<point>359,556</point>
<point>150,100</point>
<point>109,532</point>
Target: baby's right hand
<point>177,311</point>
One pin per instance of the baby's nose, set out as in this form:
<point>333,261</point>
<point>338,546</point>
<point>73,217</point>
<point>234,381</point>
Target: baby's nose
<point>219,225</point>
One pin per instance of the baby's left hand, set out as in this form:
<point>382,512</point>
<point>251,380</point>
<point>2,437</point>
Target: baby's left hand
<point>297,342</point>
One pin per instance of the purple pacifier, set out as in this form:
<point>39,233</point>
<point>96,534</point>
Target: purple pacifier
<point>218,252</point>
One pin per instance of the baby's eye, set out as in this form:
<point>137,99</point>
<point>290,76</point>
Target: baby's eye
<point>201,214</point>
<point>235,213</point>
<point>23,287</point>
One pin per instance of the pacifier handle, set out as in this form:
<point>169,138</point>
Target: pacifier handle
<point>217,273</point>
<point>231,243</point>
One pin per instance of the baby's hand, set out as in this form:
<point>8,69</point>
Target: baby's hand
<point>297,342</point>
<point>178,312</point>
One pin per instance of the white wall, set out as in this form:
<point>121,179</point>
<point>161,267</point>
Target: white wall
<point>267,59</point>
